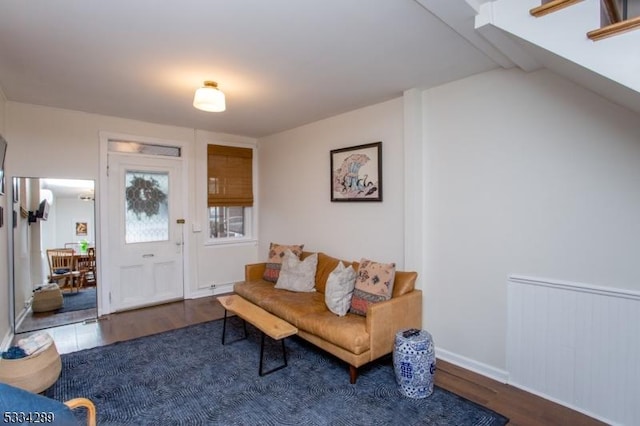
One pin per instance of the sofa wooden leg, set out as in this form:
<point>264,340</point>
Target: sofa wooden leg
<point>353,374</point>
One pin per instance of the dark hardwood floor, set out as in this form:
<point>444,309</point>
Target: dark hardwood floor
<point>520,407</point>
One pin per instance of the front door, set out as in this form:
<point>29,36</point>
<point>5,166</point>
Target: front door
<point>145,230</point>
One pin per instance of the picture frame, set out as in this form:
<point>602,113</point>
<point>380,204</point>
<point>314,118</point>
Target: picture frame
<point>356,173</point>
<point>81,229</point>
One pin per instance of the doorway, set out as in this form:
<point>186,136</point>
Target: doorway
<point>53,217</point>
<point>145,210</point>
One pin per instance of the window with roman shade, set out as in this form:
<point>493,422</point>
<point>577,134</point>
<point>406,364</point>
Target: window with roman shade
<point>229,176</point>
<point>229,192</point>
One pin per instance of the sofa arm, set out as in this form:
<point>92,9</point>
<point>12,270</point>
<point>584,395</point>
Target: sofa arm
<point>254,271</point>
<point>384,319</point>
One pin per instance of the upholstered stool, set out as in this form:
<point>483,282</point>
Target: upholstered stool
<point>48,298</point>
<point>34,373</point>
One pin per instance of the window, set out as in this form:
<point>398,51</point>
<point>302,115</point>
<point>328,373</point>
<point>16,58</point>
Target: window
<point>226,222</point>
<point>229,191</point>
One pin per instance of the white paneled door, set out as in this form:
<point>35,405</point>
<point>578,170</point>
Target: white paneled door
<point>145,230</point>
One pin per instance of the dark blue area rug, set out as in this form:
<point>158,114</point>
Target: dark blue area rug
<point>77,301</point>
<point>186,377</point>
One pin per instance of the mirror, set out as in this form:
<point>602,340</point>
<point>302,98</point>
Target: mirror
<point>54,256</point>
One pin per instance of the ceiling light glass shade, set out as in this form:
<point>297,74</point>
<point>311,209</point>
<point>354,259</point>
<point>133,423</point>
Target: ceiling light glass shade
<point>209,98</point>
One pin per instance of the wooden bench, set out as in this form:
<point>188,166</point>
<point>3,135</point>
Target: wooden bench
<point>268,324</point>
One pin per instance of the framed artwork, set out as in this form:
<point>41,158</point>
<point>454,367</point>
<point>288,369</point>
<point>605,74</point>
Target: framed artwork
<point>81,229</point>
<point>356,173</point>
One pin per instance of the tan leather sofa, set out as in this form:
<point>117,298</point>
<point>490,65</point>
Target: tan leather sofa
<point>354,339</point>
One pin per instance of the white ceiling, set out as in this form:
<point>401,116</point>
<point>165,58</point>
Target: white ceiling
<point>281,63</point>
<point>68,188</point>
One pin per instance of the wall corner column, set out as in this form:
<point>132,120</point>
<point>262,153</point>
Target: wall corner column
<point>413,184</point>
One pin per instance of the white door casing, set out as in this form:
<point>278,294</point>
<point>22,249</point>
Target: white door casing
<point>146,266</point>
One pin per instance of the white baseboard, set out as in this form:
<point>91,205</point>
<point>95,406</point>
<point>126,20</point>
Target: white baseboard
<point>477,367</point>
<point>6,340</point>
<point>207,291</point>
<point>502,376</point>
<point>22,315</point>
<point>564,403</point>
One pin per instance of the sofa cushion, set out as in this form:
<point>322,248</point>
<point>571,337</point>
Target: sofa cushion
<point>276,253</point>
<point>285,304</point>
<point>339,289</point>
<point>297,275</point>
<point>374,283</point>
<point>404,283</point>
<point>292,307</point>
<point>254,291</point>
<point>348,332</point>
<point>326,264</point>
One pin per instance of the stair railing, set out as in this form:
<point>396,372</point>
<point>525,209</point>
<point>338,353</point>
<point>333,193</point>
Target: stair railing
<point>615,19</point>
<point>611,12</point>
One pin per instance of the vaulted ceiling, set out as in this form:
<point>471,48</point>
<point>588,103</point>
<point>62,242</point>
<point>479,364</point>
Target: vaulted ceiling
<point>281,63</point>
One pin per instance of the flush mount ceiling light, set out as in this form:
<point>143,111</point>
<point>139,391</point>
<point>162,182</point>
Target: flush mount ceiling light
<point>209,98</point>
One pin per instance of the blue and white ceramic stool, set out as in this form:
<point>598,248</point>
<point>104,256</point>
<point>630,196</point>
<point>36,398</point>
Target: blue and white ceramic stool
<point>414,362</point>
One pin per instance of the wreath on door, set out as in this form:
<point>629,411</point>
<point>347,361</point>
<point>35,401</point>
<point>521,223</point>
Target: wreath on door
<point>144,196</point>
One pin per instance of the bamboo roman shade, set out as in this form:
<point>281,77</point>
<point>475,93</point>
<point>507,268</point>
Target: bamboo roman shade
<point>229,176</point>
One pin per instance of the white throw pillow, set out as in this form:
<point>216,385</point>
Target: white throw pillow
<point>298,275</point>
<point>339,289</point>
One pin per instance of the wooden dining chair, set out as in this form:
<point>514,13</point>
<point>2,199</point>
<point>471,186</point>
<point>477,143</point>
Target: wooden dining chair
<point>87,267</point>
<point>62,267</point>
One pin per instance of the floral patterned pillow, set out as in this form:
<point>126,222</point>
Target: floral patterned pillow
<point>276,254</point>
<point>374,283</point>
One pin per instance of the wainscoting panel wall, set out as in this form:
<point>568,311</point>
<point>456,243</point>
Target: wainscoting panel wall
<point>576,344</point>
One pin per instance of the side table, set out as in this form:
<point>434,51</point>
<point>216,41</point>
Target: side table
<point>414,363</point>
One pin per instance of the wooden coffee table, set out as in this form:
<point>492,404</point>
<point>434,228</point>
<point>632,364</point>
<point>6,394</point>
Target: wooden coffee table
<point>268,324</point>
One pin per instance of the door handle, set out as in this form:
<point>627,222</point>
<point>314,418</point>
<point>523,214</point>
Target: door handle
<point>148,255</point>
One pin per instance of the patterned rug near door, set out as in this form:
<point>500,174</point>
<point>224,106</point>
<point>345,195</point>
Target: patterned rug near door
<point>187,377</point>
<point>78,301</point>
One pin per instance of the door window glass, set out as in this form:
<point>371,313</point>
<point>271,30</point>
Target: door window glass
<point>146,207</point>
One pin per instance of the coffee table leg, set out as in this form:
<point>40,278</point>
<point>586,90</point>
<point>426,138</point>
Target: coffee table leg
<point>224,326</point>
<point>284,357</point>
<point>224,329</point>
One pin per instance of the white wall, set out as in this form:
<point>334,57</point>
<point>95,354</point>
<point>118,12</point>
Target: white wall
<point>223,264</point>
<point>5,314</point>
<point>68,211</point>
<point>26,238</point>
<point>295,206</point>
<point>525,174</point>
<point>57,143</point>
